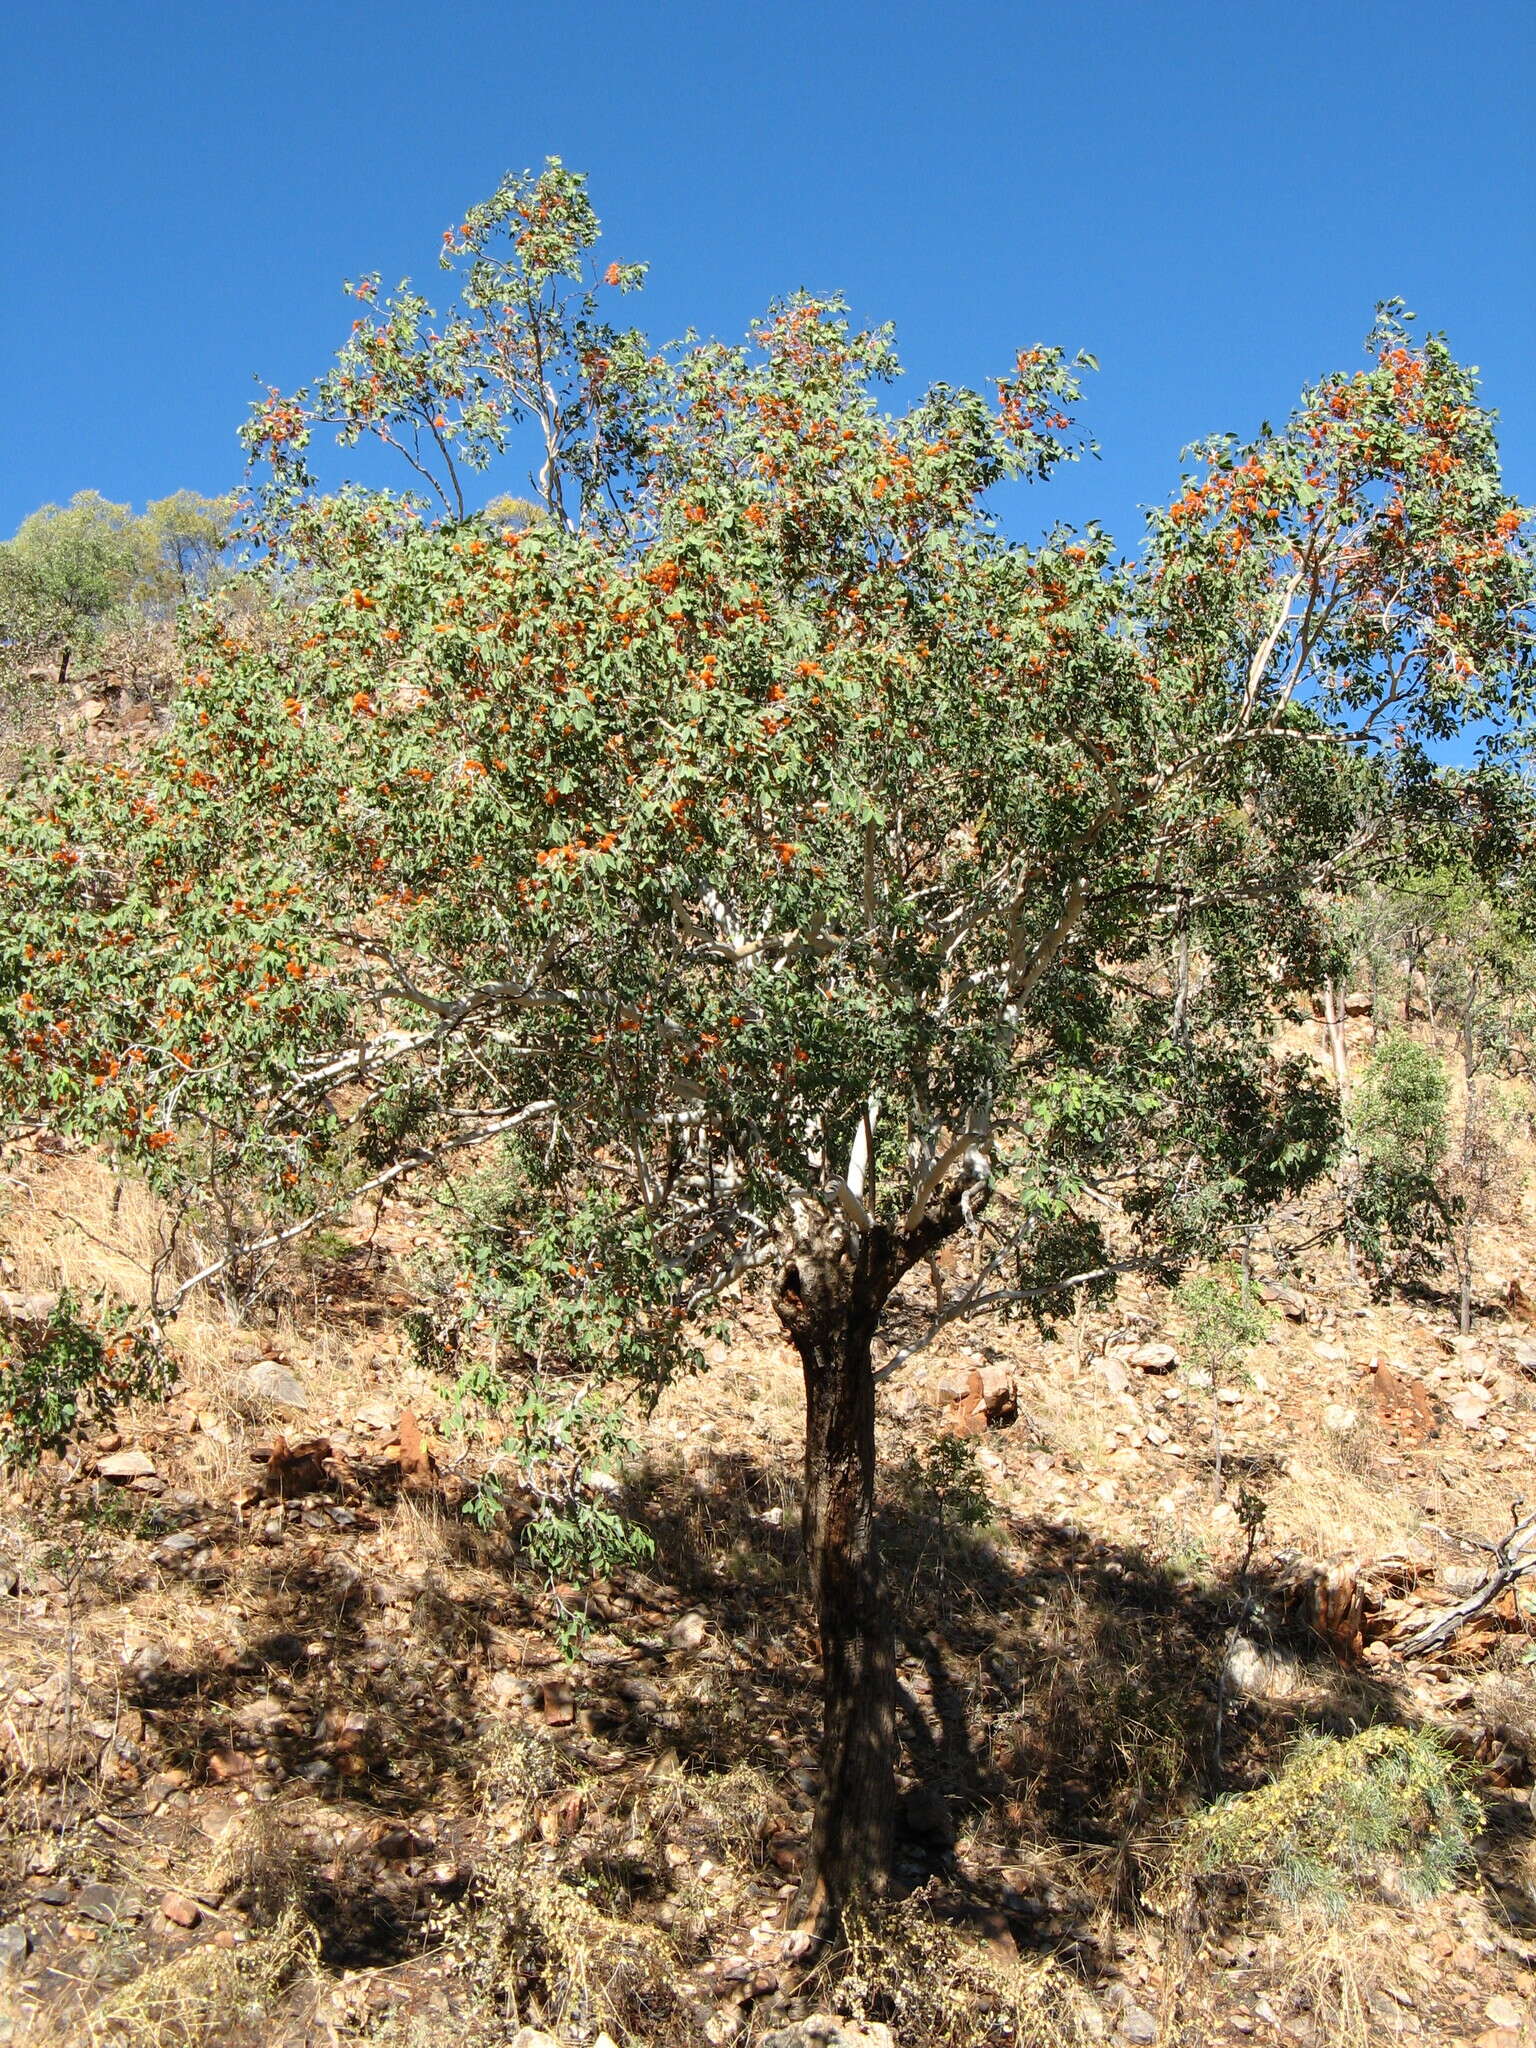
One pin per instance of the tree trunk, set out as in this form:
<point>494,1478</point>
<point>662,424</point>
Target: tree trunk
<point>1468,1179</point>
<point>829,1296</point>
<point>853,1830</point>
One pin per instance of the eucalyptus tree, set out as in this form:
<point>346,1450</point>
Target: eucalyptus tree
<point>785,869</point>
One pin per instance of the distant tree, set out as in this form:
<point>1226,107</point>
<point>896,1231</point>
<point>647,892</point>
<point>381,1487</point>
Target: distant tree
<point>66,570</point>
<point>512,514</point>
<point>788,871</point>
<point>73,573</point>
<point>1452,917</point>
<point>187,537</point>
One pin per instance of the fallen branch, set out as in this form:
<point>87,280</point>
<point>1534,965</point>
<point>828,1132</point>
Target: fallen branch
<point>1512,1559</point>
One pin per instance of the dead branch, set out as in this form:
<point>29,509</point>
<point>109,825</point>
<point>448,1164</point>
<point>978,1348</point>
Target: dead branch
<point>1512,1559</point>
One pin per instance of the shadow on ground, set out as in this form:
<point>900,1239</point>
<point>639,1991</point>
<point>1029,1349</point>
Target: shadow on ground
<point>1063,1708</point>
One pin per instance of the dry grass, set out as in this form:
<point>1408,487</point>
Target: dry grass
<point>931,1982</point>
<point>1330,1505</point>
<point>1070,1666</point>
<point>532,1945</point>
<point>191,2001</point>
<point>73,1224</point>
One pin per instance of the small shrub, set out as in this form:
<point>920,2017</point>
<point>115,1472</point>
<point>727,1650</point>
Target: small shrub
<point>1401,1211</point>
<point>531,1941</point>
<point>937,1987</point>
<point>69,1369</point>
<point>323,1248</point>
<point>943,1483</point>
<point>1222,1325</point>
<point>193,1999</point>
<point>1339,1816</point>
<point>562,1448</point>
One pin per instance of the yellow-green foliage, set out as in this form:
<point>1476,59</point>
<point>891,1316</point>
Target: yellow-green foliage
<point>1338,1815</point>
<point>542,1950</point>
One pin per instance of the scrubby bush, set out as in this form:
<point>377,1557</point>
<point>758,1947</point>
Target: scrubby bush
<point>67,1367</point>
<point>1339,1816</point>
<point>1401,1214</point>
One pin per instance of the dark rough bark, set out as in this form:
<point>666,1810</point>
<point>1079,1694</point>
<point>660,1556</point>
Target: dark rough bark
<point>829,1297</point>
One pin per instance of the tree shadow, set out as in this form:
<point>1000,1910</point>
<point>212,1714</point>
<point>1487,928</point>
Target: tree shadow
<point>1063,1708</point>
<point>1066,1703</point>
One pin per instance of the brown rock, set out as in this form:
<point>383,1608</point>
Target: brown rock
<point>181,1912</point>
<point>1292,1306</point>
<point>1114,1375</point>
<point>688,1632</point>
<point>1470,1405</point>
<point>998,1935</point>
<point>559,1706</point>
<point>1332,1602</point>
<point>562,1817</point>
<point>26,1308</point>
<point>162,1785</point>
<point>967,1415</point>
<point>990,1400</point>
<point>109,1904</point>
<point>415,1459</point>
<point>999,1396</point>
<point>228,1766</point>
<point>126,1465</point>
<point>1402,1406</point>
<point>1158,1358</point>
<point>269,1379</point>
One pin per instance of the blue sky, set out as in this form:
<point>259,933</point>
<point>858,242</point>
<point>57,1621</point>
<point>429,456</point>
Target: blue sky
<point>1211,196</point>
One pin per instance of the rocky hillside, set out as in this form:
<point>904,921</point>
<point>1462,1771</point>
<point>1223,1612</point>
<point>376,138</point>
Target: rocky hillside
<point>295,1752</point>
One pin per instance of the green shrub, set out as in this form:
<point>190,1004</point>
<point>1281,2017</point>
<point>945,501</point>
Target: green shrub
<point>1400,1213</point>
<point>943,1483</point>
<point>69,1369</point>
<point>1339,1816</point>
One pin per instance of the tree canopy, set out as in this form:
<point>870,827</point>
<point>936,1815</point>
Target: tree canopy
<point>790,867</point>
<point>70,569</point>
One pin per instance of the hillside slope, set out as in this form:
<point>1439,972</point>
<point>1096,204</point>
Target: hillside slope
<point>294,1752</point>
